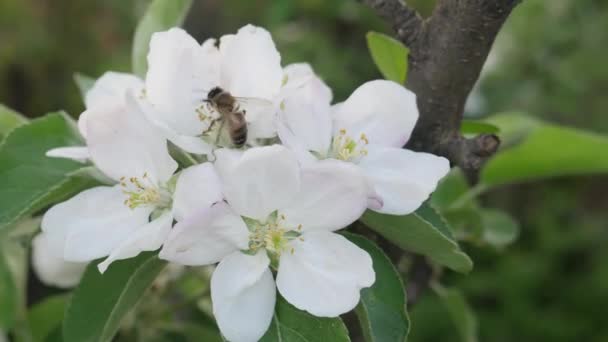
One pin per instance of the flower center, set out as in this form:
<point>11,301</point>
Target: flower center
<point>348,149</point>
<point>142,191</point>
<point>272,235</point>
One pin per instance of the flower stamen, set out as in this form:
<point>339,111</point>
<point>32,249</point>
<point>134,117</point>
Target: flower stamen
<point>142,191</point>
<point>346,148</point>
<point>273,236</point>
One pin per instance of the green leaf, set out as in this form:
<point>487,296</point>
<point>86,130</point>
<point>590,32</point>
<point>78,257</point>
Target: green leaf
<point>13,280</point>
<point>513,127</point>
<point>101,300</point>
<point>451,188</point>
<point>160,16</point>
<point>9,120</point>
<point>424,232</point>
<point>84,83</point>
<point>8,294</point>
<point>499,228</point>
<point>29,180</point>
<point>477,127</point>
<point>547,151</point>
<point>461,313</point>
<point>382,309</point>
<point>46,316</point>
<point>292,325</point>
<point>390,56</point>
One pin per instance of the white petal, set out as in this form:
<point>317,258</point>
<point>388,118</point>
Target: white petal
<point>384,111</point>
<point>94,222</point>
<point>77,153</point>
<point>176,83</point>
<point>289,139</point>
<point>197,187</point>
<point>262,179</point>
<point>206,236</point>
<point>122,143</point>
<point>110,89</point>
<point>251,64</point>
<point>188,143</point>
<point>49,265</point>
<point>325,274</point>
<point>147,237</point>
<point>306,109</point>
<point>332,196</point>
<point>403,179</point>
<point>243,295</point>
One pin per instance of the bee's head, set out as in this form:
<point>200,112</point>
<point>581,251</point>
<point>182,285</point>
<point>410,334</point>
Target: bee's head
<point>214,92</point>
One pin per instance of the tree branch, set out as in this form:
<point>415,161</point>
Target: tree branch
<point>406,22</point>
<point>447,52</point>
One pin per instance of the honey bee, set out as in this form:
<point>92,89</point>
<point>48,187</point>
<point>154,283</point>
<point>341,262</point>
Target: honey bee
<point>230,114</point>
<point>231,110</point>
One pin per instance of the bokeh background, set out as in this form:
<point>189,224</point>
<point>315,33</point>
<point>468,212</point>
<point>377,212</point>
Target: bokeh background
<point>549,61</point>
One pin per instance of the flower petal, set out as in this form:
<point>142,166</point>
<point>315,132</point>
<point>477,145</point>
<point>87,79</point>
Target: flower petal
<point>251,64</point>
<point>122,143</point>
<point>384,111</point>
<point>94,222</point>
<point>324,274</point>
<point>176,81</point>
<point>49,265</point>
<point>148,237</point>
<point>332,196</point>
<point>77,153</point>
<point>197,187</point>
<point>243,295</point>
<point>403,179</point>
<point>260,181</point>
<point>306,109</point>
<point>206,236</point>
<point>110,89</point>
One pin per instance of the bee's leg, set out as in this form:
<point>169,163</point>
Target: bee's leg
<point>219,133</point>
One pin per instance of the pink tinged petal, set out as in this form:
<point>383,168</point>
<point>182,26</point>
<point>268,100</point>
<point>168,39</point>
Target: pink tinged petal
<point>173,86</point>
<point>325,274</point>
<point>251,64</point>
<point>243,294</point>
<point>332,196</point>
<point>384,111</point>
<point>147,237</point>
<point>198,187</point>
<point>402,178</point>
<point>122,143</point>
<point>306,109</point>
<point>78,153</point>
<point>110,89</point>
<point>94,222</point>
<point>206,237</point>
<point>262,180</point>
<point>49,265</point>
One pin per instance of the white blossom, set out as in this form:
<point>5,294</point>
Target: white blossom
<point>369,130</point>
<point>275,213</point>
<point>107,92</point>
<point>114,221</point>
<point>48,262</point>
<point>182,72</point>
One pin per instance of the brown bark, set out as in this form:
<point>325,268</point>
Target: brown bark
<point>447,52</point>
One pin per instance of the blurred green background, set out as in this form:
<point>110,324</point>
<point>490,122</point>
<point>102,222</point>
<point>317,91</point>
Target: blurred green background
<point>549,61</point>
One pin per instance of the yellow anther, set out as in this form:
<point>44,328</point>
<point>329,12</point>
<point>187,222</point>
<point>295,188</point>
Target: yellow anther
<point>142,192</point>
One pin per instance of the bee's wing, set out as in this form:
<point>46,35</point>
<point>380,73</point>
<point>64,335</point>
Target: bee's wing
<point>254,105</point>
<point>259,114</point>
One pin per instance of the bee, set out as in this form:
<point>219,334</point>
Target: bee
<point>231,115</point>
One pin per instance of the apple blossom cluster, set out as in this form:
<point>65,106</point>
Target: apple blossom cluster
<point>267,212</point>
